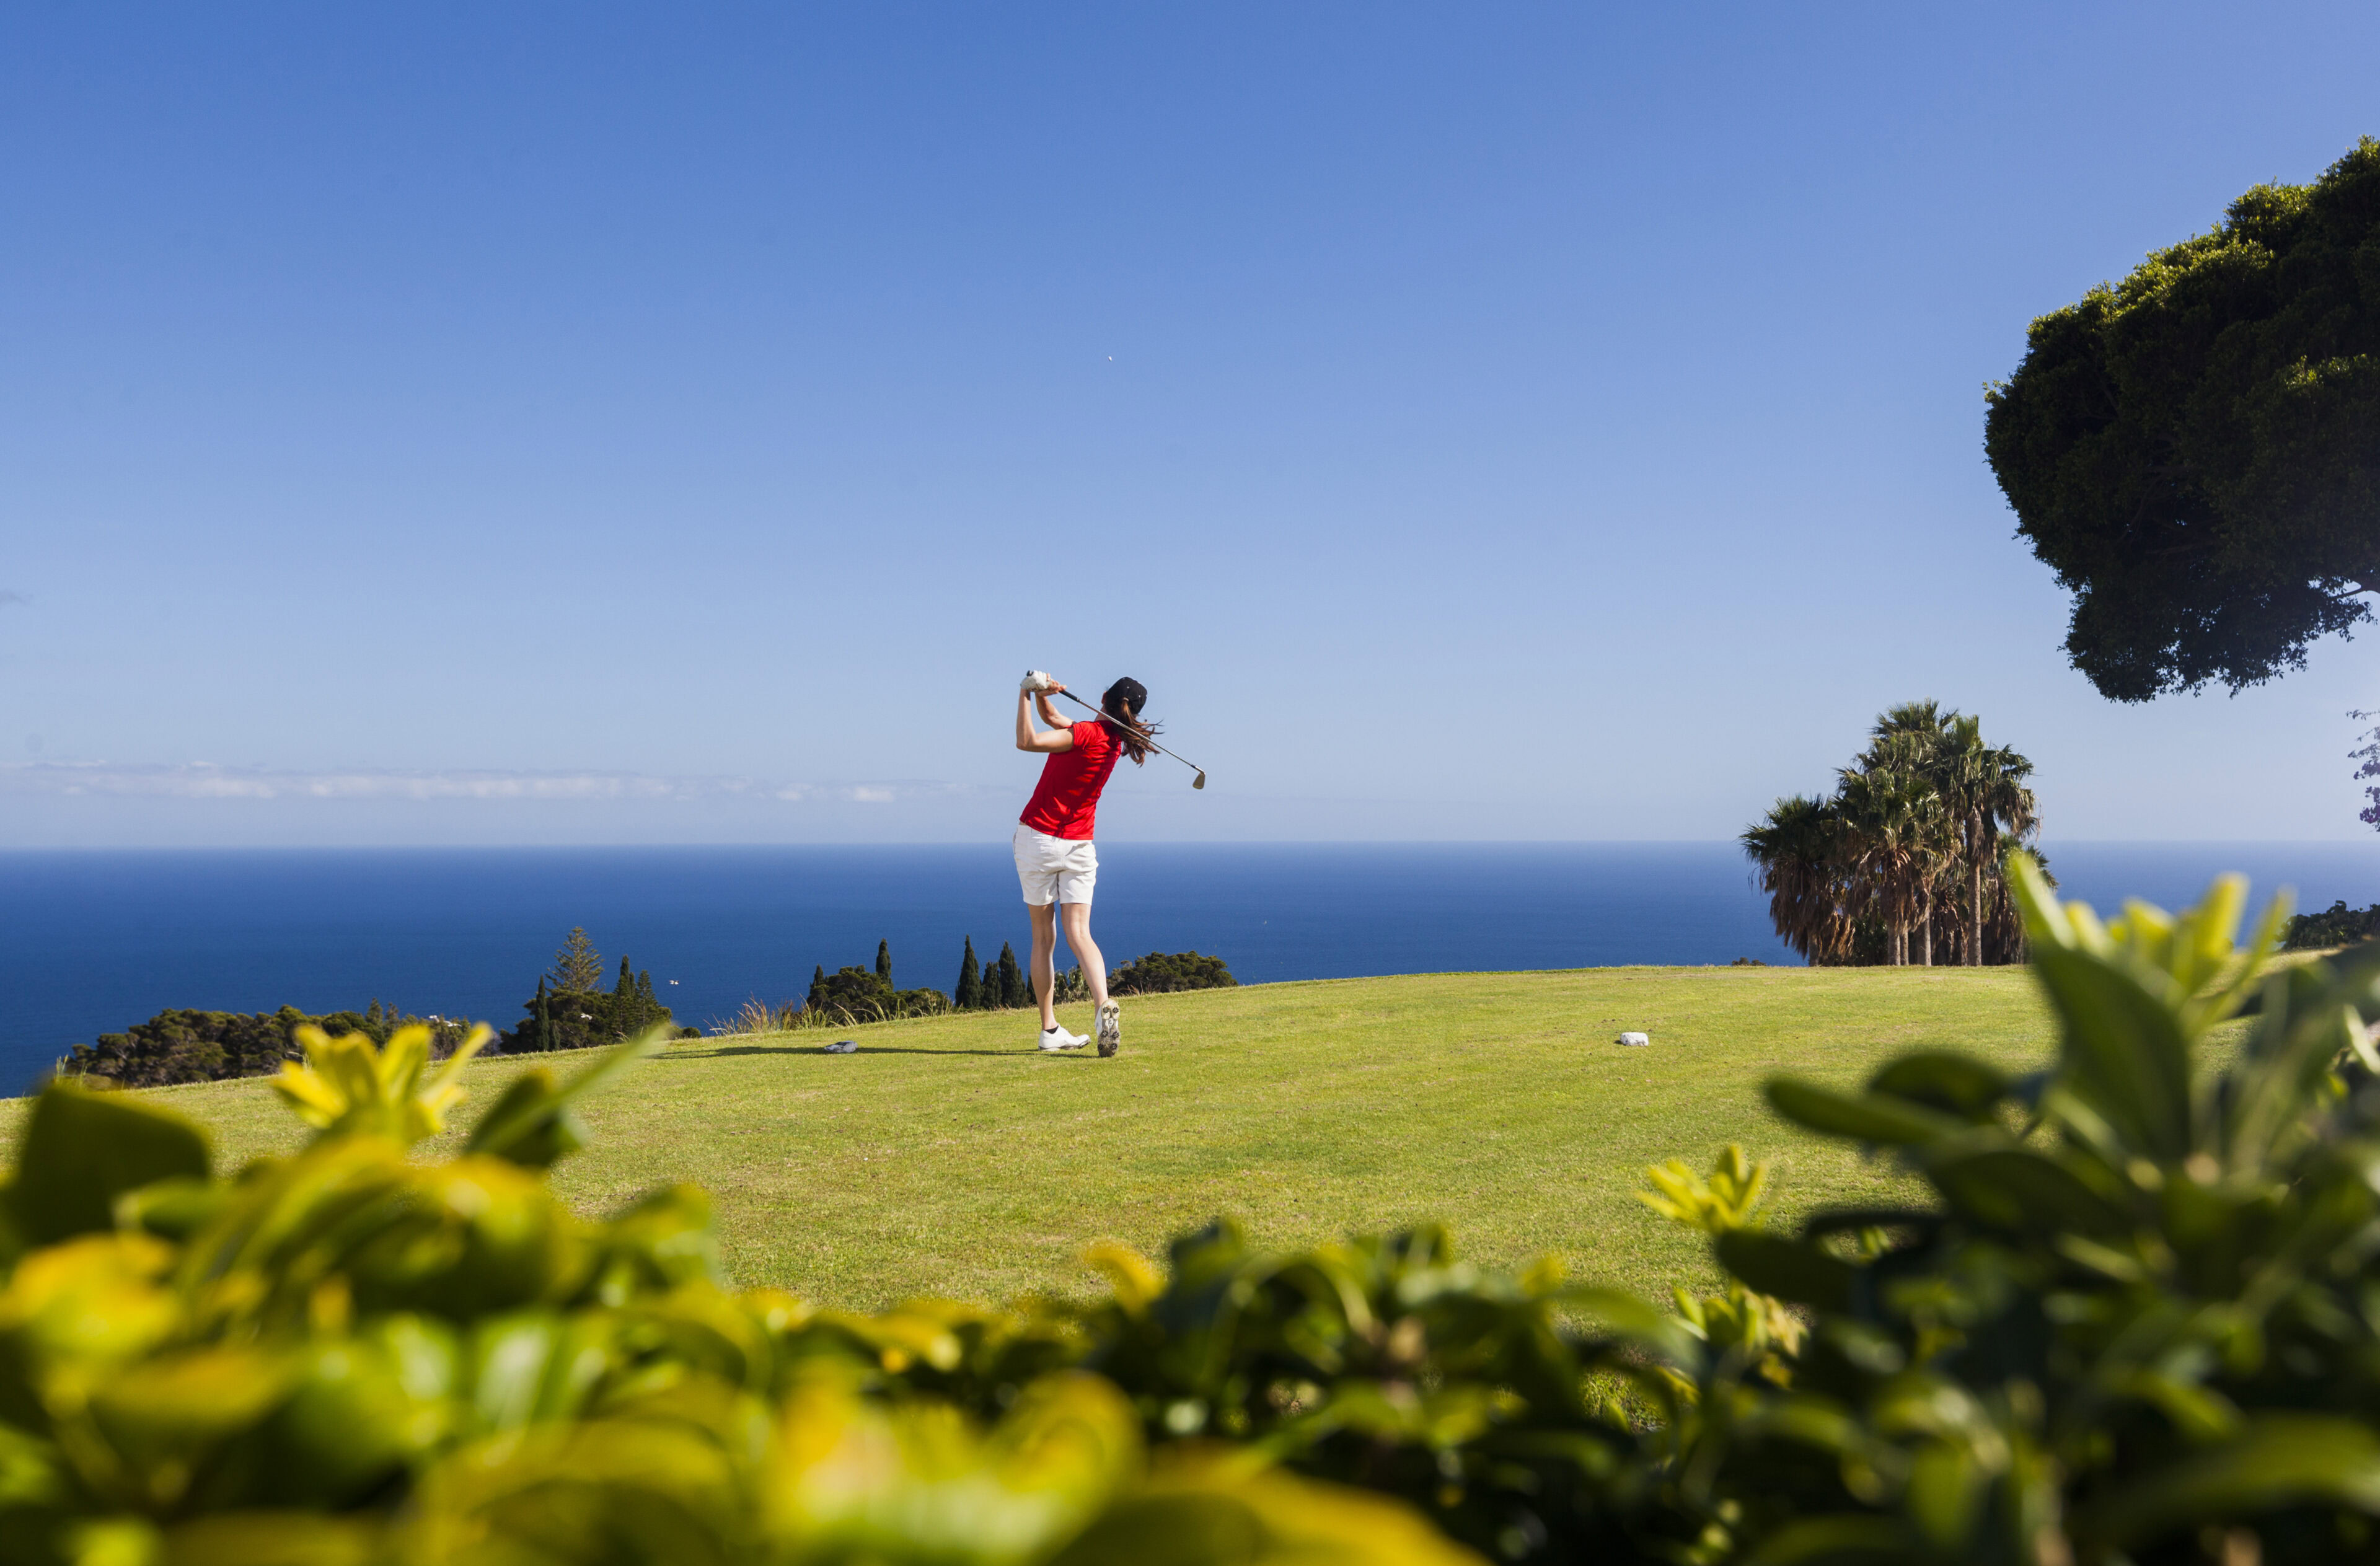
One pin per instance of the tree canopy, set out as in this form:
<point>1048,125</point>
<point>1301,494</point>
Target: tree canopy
<point>2193,450</point>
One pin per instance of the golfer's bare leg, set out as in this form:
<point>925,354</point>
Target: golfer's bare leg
<point>1045,950</point>
<point>1077,917</point>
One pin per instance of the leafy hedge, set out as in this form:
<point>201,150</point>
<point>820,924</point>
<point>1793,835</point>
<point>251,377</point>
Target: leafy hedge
<point>2135,1317</point>
<point>179,1045</point>
<point>2338,925</point>
<point>1162,973</point>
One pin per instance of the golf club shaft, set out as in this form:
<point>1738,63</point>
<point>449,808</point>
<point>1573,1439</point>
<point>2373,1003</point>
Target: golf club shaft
<point>1151,744</point>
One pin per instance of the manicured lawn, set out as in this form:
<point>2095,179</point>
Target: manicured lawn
<point>950,1158</point>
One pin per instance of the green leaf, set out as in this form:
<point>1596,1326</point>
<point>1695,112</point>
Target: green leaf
<point>1892,1122</point>
<point>2017,1188</point>
<point>82,1149</point>
<point>532,1123</point>
<point>2279,1461</point>
<point>1837,1540</point>
<point>2124,1053</point>
<point>1623,1315</point>
<point>1791,1269</point>
<point>1942,1079</point>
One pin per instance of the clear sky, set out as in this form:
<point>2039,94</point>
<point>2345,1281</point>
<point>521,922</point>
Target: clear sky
<point>574,423</point>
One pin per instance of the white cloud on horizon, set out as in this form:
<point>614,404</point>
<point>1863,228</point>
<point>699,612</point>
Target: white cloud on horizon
<point>204,780</point>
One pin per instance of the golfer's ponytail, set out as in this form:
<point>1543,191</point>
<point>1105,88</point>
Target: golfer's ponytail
<point>1120,715</point>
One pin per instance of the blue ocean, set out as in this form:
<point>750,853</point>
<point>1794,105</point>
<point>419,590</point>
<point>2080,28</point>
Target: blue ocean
<point>93,941</point>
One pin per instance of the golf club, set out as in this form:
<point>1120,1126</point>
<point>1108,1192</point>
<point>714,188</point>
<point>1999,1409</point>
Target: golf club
<point>1198,782</point>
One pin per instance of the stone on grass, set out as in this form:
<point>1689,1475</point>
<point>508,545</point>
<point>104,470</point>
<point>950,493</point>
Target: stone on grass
<point>1634,1040</point>
<point>840,1047</point>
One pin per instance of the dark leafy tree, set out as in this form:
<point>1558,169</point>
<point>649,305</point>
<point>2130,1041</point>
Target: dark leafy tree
<point>817,996</point>
<point>179,1046</point>
<point>1162,973</point>
<point>2193,450</point>
<point>969,996</point>
<point>2338,925</point>
<point>884,961</point>
<point>858,995</point>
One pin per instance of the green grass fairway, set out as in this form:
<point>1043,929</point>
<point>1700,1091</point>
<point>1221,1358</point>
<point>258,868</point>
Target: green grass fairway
<point>950,1158</point>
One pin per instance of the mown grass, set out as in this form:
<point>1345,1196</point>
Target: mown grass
<point>948,1157</point>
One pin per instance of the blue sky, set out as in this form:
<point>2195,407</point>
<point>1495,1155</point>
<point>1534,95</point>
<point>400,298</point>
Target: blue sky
<point>461,424</point>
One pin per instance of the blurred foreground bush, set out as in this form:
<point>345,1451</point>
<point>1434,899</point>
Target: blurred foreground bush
<point>2136,1319</point>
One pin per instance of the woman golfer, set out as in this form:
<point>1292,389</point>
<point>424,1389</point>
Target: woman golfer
<point>1055,858</point>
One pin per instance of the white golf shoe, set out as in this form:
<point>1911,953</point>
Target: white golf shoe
<point>1054,1040</point>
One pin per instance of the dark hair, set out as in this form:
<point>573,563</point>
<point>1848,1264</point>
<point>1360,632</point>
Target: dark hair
<point>1120,715</point>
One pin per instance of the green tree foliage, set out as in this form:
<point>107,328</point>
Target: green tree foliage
<point>577,967</point>
<point>884,963</point>
<point>2191,450</point>
<point>968,995</point>
<point>1162,973</point>
<point>1015,990</point>
<point>2338,925</point>
<point>583,1019</point>
<point>1904,858</point>
<point>855,995</point>
<point>2121,1316</point>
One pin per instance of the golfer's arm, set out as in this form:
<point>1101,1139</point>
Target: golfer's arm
<point>1031,738</point>
<point>1048,713</point>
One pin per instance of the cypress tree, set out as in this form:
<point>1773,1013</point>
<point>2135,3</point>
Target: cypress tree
<point>626,987</point>
<point>884,963</point>
<point>968,997</point>
<point>644,989</point>
<point>1014,990</point>
<point>544,1020</point>
<point>818,988</point>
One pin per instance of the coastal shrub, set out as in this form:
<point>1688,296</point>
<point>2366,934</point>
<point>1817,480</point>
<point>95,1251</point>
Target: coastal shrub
<point>2128,1314</point>
<point>1162,973</point>
<point>853,995</point>
<point>2338,925</point>
<point>177,1046</point>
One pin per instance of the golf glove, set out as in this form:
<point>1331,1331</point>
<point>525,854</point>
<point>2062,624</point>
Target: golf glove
<point>1035,681</point>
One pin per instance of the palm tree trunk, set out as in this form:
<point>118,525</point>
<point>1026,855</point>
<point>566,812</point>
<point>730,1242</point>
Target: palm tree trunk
<point>1926,930</point>
<point>1976,931</point>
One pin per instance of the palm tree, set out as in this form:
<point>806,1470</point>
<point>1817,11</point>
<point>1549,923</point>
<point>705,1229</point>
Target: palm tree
<point>1798,849</point>
<point>1914,836</point>
<point>1991,808</point>
<point>1896,824</point>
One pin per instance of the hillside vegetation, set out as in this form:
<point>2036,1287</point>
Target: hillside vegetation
<point>948,1158</point>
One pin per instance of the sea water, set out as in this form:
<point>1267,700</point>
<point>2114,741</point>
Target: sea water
<point>94,942</point>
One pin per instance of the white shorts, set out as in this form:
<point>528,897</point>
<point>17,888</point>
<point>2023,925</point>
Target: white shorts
<point>1055,869</point>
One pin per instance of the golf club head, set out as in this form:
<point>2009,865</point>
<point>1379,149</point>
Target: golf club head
<point>1198,782</point>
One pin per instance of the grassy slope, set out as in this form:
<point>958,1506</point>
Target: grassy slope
<point>949,1158</point>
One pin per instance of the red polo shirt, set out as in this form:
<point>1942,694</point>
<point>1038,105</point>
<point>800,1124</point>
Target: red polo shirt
<point>1067,796</point>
